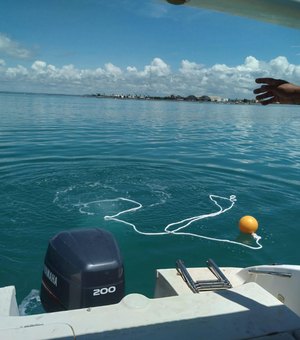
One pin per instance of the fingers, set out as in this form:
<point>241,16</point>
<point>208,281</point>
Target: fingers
<point>266,98</point>
<point>268,101</point>
<point>264,80</point>
<point>263,88</point>
<point>270,81</point>
<point>265,93</point>
<point>272,91</point>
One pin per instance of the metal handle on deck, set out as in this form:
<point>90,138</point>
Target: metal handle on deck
<point>196,286</point>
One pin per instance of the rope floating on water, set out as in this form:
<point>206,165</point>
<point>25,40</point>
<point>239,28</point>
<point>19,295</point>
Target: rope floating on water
<point>186,222</point>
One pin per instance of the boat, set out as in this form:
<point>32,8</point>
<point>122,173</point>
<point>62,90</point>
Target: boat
<point>83,292</point>
<point>281,12</point>
<point>82,286</point>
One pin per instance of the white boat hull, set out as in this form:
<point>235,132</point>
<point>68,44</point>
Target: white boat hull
<point>252,308</point>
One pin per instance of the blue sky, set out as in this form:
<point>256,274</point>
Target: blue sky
<point>139,46</point>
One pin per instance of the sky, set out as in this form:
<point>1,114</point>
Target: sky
<point>144,47</point>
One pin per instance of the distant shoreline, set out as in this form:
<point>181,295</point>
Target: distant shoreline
<point>177,98</point>
<point>174,98</point>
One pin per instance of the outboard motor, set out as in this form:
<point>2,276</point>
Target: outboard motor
<point>83,268</point>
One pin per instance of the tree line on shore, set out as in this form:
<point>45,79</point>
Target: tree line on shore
<point>190,98</point>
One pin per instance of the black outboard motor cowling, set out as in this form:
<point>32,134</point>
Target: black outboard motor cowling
<point>83,268</point>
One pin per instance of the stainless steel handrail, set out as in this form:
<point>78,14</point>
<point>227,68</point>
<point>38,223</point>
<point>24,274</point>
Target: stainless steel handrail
<point>185,275</point>
<point>203,285</point>
<point>216,271</point>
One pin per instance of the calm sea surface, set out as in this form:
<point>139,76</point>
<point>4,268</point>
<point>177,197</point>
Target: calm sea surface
<point>66,162</point>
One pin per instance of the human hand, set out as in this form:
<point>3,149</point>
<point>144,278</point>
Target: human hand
<point>277,91</point>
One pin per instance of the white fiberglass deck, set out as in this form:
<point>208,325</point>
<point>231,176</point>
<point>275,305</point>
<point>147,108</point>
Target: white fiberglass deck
<point>246,311</point>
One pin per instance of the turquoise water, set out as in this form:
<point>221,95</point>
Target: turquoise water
<point>64,161</point>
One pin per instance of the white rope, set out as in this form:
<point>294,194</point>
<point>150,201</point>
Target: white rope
<point>186,222</point>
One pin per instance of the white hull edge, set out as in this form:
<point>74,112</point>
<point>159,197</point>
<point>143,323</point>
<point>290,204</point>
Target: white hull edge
<point>249,309</point>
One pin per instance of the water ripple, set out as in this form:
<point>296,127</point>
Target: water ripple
<point>58,153</point>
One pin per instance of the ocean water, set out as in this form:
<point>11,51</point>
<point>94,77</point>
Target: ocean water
<point>67,162</point>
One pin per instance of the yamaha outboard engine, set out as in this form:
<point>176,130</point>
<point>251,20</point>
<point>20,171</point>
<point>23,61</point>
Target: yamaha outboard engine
<point>83,268</point>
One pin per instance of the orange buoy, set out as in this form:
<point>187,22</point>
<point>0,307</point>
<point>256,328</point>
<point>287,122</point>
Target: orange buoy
<point>248,224</point>
<point>177,2</point>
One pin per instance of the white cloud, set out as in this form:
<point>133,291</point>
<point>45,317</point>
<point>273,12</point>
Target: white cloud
<point>156,78</point>
<point>39,66</point>
<point>251,64</point>
<point>157,68</point>
<point>131,69</point>
<point>280,65</point>
<point>112,70</point>
<point>17,72</point>
<point>13,48</point>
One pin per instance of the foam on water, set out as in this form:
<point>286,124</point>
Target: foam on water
<point>31,304</point>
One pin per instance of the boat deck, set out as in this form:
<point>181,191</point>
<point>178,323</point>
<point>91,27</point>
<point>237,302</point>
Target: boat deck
<point>243,312</point>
